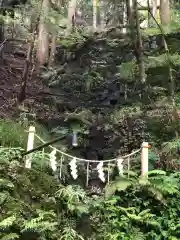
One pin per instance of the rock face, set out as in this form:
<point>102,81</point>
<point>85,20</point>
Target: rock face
<point>93,89</point>
<point>90,77</point>
<point>97,91</point>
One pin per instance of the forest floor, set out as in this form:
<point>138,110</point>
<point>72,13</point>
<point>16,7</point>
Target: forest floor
<point>12,63</point>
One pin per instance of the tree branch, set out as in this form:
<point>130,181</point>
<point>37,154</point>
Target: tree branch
<point>43,145</point>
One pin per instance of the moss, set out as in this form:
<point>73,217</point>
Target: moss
<point>71,40</point>
<point>30,189</point>
<point>173,44</point>
<point>12,134</point>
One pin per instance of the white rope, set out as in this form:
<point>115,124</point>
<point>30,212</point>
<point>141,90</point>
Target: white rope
<point>87,160</point>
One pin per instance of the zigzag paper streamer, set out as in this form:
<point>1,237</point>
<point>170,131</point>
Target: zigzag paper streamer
<point>100,172</point>
<point>120,165</point>
<point>73,167</point>
<point>53,162</point>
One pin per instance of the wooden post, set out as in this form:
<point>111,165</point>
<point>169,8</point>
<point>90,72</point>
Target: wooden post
<point>30,146</point>
<point>144,158</point>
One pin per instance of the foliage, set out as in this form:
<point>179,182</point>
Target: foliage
<point>95,90</point>
<point>141,209</point>
<point>34,205</point>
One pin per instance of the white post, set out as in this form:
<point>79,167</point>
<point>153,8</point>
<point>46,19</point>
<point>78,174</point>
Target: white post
<point>30,145</point>
<point>144,158</point>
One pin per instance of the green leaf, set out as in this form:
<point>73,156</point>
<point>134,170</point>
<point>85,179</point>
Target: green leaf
<point>119,185</point>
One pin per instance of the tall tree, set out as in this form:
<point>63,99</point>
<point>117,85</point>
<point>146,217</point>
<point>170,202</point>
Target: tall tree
<point>129,8</point>
<point>153,9</point>
<point>165,12</point>
<point>139,45</point>
<point>94,14</point>
<point>71,15</point>
<point>43,35</point>
<point>54,33</point>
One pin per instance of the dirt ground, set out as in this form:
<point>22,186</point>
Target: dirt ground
<point>12,62</point>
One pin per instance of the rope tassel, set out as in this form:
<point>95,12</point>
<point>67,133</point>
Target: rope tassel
<point>120,165</point>
<point>100,172</point>
<point>73,167</point>
<point>53,162</point>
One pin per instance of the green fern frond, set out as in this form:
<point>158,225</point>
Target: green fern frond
<point>127,70</point>
<point>44,222</point>
<point>35,225</point>
<point>70,234</point>
<point>118,185</point>
<point>71,193</point>
<point>161,61</point>
<point>3,197</point>
<point>144,212</point>
<point>45,214</point>
<point>171,146</point>
<point>157,194</point>
<point>157,172</point>
<point>136,234</point>
<point>4,183</point>
<point>7,222</point>
<point>165,184</point>
<point>10,236</point>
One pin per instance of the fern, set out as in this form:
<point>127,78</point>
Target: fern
<point>35,225</point>
<point>120,184</point>
<point>71,194</point>
<point>70,234</point>
<point>10,236</point>
<point>163,183</point>
<point>7,222</point>
<point>136,234</point>
<point>3,197</point>
<point>4,183</point>
<point>44,222</point>
<point>156,172</point>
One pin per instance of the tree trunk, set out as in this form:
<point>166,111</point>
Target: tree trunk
<point>128,9</point>
<point>33,29</point>
<point>94,14</point>
<point>130,17</point>
<point>53,50</point>
<point>71,15</point>
<point>153,9</point>
<point>102,14</point>
<point>58,3</point>
<point>43,35</point>
<point>165,12</point>
<point>99,9</point>
<point>139,46</point>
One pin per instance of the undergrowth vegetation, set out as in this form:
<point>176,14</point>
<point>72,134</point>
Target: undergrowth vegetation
<point>35,205</point>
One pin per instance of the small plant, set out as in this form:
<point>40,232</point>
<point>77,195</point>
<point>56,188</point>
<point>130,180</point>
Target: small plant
<point>12,134</point>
